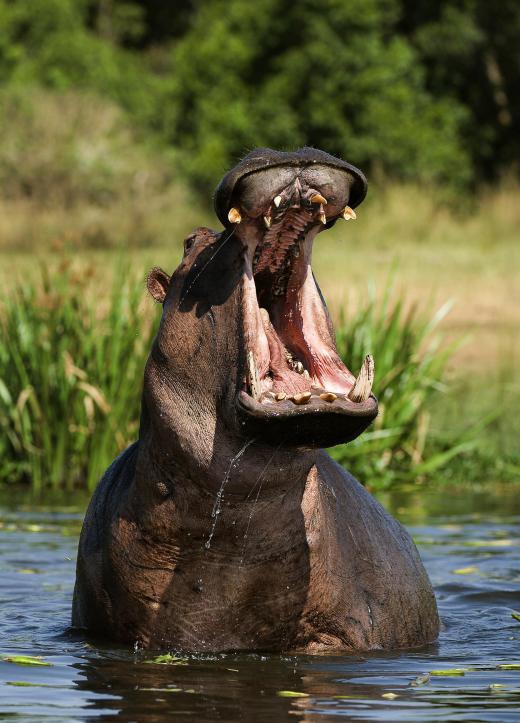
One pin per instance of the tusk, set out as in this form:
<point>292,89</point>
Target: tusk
<point>318,198</point>
<point>252,375</point>
<point>277,201</point>
<point>234,216</point>
<point>348,213</point>
<point>363,384</point>
<point>322,216</point>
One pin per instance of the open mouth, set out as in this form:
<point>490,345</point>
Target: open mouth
<point>293,373</point>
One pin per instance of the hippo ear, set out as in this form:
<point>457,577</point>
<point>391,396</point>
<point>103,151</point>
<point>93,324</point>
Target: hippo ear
<point>157,282</point>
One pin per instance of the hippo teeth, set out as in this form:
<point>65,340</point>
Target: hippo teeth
<point>252,375</point>
<point>348,213</point>
<point>363,384</point>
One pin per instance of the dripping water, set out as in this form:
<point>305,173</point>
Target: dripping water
<point>259,482</point>
<point>218,500</point>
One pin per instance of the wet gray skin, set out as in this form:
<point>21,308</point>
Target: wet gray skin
<point>225,526</point>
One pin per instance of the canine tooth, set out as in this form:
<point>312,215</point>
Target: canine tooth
<point>348,213</point>
<point>363,384</point>
<point>318,198</point>
<point>280,396</point>
<point>234,215</point>
<point>328,396</point>
<point>322,216</point>
<point>267,221</point>
<point>302,398</point>
<point>252,375</point>
<point>277,201</point>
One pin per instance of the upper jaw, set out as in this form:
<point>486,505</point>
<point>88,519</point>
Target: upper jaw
<point>292,369</point>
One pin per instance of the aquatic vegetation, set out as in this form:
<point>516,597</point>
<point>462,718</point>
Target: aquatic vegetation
<point>71,368</point>
<point>70,373</point>
<point>411,360</point>
<point>167,659</point>
<point>25,660</point>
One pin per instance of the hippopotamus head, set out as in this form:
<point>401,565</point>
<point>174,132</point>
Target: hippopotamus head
<point>246,348</point>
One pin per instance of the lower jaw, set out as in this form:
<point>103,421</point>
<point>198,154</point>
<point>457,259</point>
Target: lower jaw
<point>317,423</point>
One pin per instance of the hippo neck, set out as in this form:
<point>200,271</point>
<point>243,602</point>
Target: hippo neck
<point>249,506</point>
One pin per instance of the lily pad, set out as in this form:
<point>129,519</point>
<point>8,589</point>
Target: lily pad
<point>420,680</point>
<point>291,694</point>
<point>167,659</point>
<point>509,666</point>
<point>25,660</point>
<point>465,570</point>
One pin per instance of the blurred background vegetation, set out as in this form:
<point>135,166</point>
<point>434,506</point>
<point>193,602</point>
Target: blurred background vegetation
<point>117,119</point>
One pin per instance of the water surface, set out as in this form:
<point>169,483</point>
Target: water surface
<point>469,543</point>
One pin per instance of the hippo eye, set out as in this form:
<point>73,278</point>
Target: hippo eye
<point>188,243</point>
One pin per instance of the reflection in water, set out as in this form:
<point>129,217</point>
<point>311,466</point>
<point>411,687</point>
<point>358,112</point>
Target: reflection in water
<point>473,557</point>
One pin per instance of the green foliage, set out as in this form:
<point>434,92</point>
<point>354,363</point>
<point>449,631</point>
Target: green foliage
<point>328,74</point>
<point>421,91</point>
<point>49,42</point>
<point>70,372</point>
<point>410,364</point>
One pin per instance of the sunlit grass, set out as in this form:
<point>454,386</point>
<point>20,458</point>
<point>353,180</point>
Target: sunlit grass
<point>70,374</point>
<point>71,371</point>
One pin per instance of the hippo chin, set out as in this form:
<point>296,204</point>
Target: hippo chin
<point>225,526</point>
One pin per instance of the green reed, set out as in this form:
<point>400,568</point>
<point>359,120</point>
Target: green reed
<point>71,367</point>
<point>70,375</point>
<point>411,357</point>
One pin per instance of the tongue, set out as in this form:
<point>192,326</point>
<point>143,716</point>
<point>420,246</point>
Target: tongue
<point>285,379</point>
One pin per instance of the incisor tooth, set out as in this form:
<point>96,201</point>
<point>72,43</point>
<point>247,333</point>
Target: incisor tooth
<point>363,384</point>
<point>252,375</point>
<point>348,213</point>
<point>234,215</point>
<point>318,198</point>
<point>328,396</point>
<point>302,398</point>
<point>322,216</point>
<point>277,201</point>
<point>280,396</point>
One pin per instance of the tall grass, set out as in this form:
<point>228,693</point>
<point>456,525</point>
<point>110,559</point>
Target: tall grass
<point>411,358</point>
<point>71,369</point>
<point>70,373</point>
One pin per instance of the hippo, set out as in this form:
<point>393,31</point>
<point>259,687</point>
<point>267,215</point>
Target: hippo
<point>226,526</point>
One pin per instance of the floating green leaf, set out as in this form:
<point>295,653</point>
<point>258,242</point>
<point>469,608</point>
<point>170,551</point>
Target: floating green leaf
<point>167,659</point>
<point>465,570</point>
<point>509,666</point>
<point>25,660</point>
<point>449,671</point>
<point>516,616</point>
<point>291,694</point>
<point>421,680</point>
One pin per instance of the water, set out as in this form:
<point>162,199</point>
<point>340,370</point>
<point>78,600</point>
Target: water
<point>218,499</point>
<point>474,535</point>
